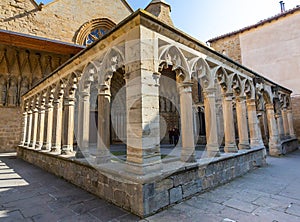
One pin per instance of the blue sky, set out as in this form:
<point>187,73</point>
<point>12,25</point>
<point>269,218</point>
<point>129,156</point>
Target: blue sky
<point>205,19</point>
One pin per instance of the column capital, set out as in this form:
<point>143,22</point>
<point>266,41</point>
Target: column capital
<point>69,101</point>
<point>210,92</point>
<point>185,87</point>
<point>241,98</point>
<point>269,106</point>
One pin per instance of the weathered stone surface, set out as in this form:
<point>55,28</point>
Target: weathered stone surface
<point>175,194</point>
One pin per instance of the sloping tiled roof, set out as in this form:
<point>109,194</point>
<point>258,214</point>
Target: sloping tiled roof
<point>262,22</point>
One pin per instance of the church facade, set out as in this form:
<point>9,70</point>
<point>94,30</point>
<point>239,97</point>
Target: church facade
<point>101,118</point>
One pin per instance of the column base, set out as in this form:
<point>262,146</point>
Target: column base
<point>275,149</point>
<point>32,145</point>
<point>244,146</point>
<point>231,148</point>
<point>26,144</point>
<point>188,155</point>
<point>212,151</point>
<point>67,150</point>
<point>56,149</point>
<point>46,146</point>
<point>38,146</point>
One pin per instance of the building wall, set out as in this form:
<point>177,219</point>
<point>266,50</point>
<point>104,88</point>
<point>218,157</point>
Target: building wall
<point>274,50</point>
<point>60,19</point>
<point>10,128</point>
<point>229,46</point>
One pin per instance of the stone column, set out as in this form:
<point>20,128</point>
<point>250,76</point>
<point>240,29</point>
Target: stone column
<point>241,112</point>
<point>49,124</point>
<point>274,141</point>
<point>229,130</point>
<point>103,143</point>
<point>29,127</point>
<point>291,122</point>
<point>68,125</point>
<point>254,128</point>
<point>35,116</point>
<point>24,129</point>
<point>41,126</point>
<point>212,146</point>
<point>57,127</point>
<point>186,117</point>
<point>83,124</point>
<point>285,122</point>
<point>280,125</point>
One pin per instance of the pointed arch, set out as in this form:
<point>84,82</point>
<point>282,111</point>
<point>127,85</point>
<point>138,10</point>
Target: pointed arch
<point>200,70</point>
<point>220,74</point>
<point>171,55</point>
<point>112,62</point>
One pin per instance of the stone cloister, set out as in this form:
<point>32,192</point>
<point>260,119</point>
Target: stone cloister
<point>130,87</point>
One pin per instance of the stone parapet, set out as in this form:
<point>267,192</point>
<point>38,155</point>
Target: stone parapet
<point>145,195</point>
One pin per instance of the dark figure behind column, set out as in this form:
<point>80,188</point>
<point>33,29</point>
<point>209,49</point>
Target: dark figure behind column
<point>176,134</point>
<point>171,136</point>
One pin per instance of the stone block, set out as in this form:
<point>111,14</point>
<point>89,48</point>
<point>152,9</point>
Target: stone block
<point>165,184</point>
<point>175,194</point>
<point>185,177</point>
<point>191,188</point>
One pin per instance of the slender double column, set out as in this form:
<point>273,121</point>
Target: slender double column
<point>186,117</point>
<point>279,120</point>
<point>274,141</point>
<point>29,127</point>
<point>254,128</point>
<point>35,116</point>
<point>24,126</point>
<point>68,126</point>
<point>241,112</point>
<point>57,127</point>
<point>291,122</point>
<point>212,146</point>
<point>103,141</point>
<point>229,130</point>
<point>83,124</point>
<point>285,122</point>
<point>49,123</point>
<point>41,125</point>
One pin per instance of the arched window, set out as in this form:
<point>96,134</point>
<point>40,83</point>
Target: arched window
<point>93,30</point>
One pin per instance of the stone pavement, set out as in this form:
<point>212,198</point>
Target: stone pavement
<point>267,194</point>
<point>28,193</point>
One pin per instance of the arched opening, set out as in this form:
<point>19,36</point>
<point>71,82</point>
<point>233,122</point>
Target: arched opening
<point>198,108</point>
<point>169,108</point>
<point>118,127</point>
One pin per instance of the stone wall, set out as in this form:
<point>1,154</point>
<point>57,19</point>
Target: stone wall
<point>10,128</point>
<point>230,46</point>
<point>146,196</point>
<point>60,19</point>
<point>296,113</point>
